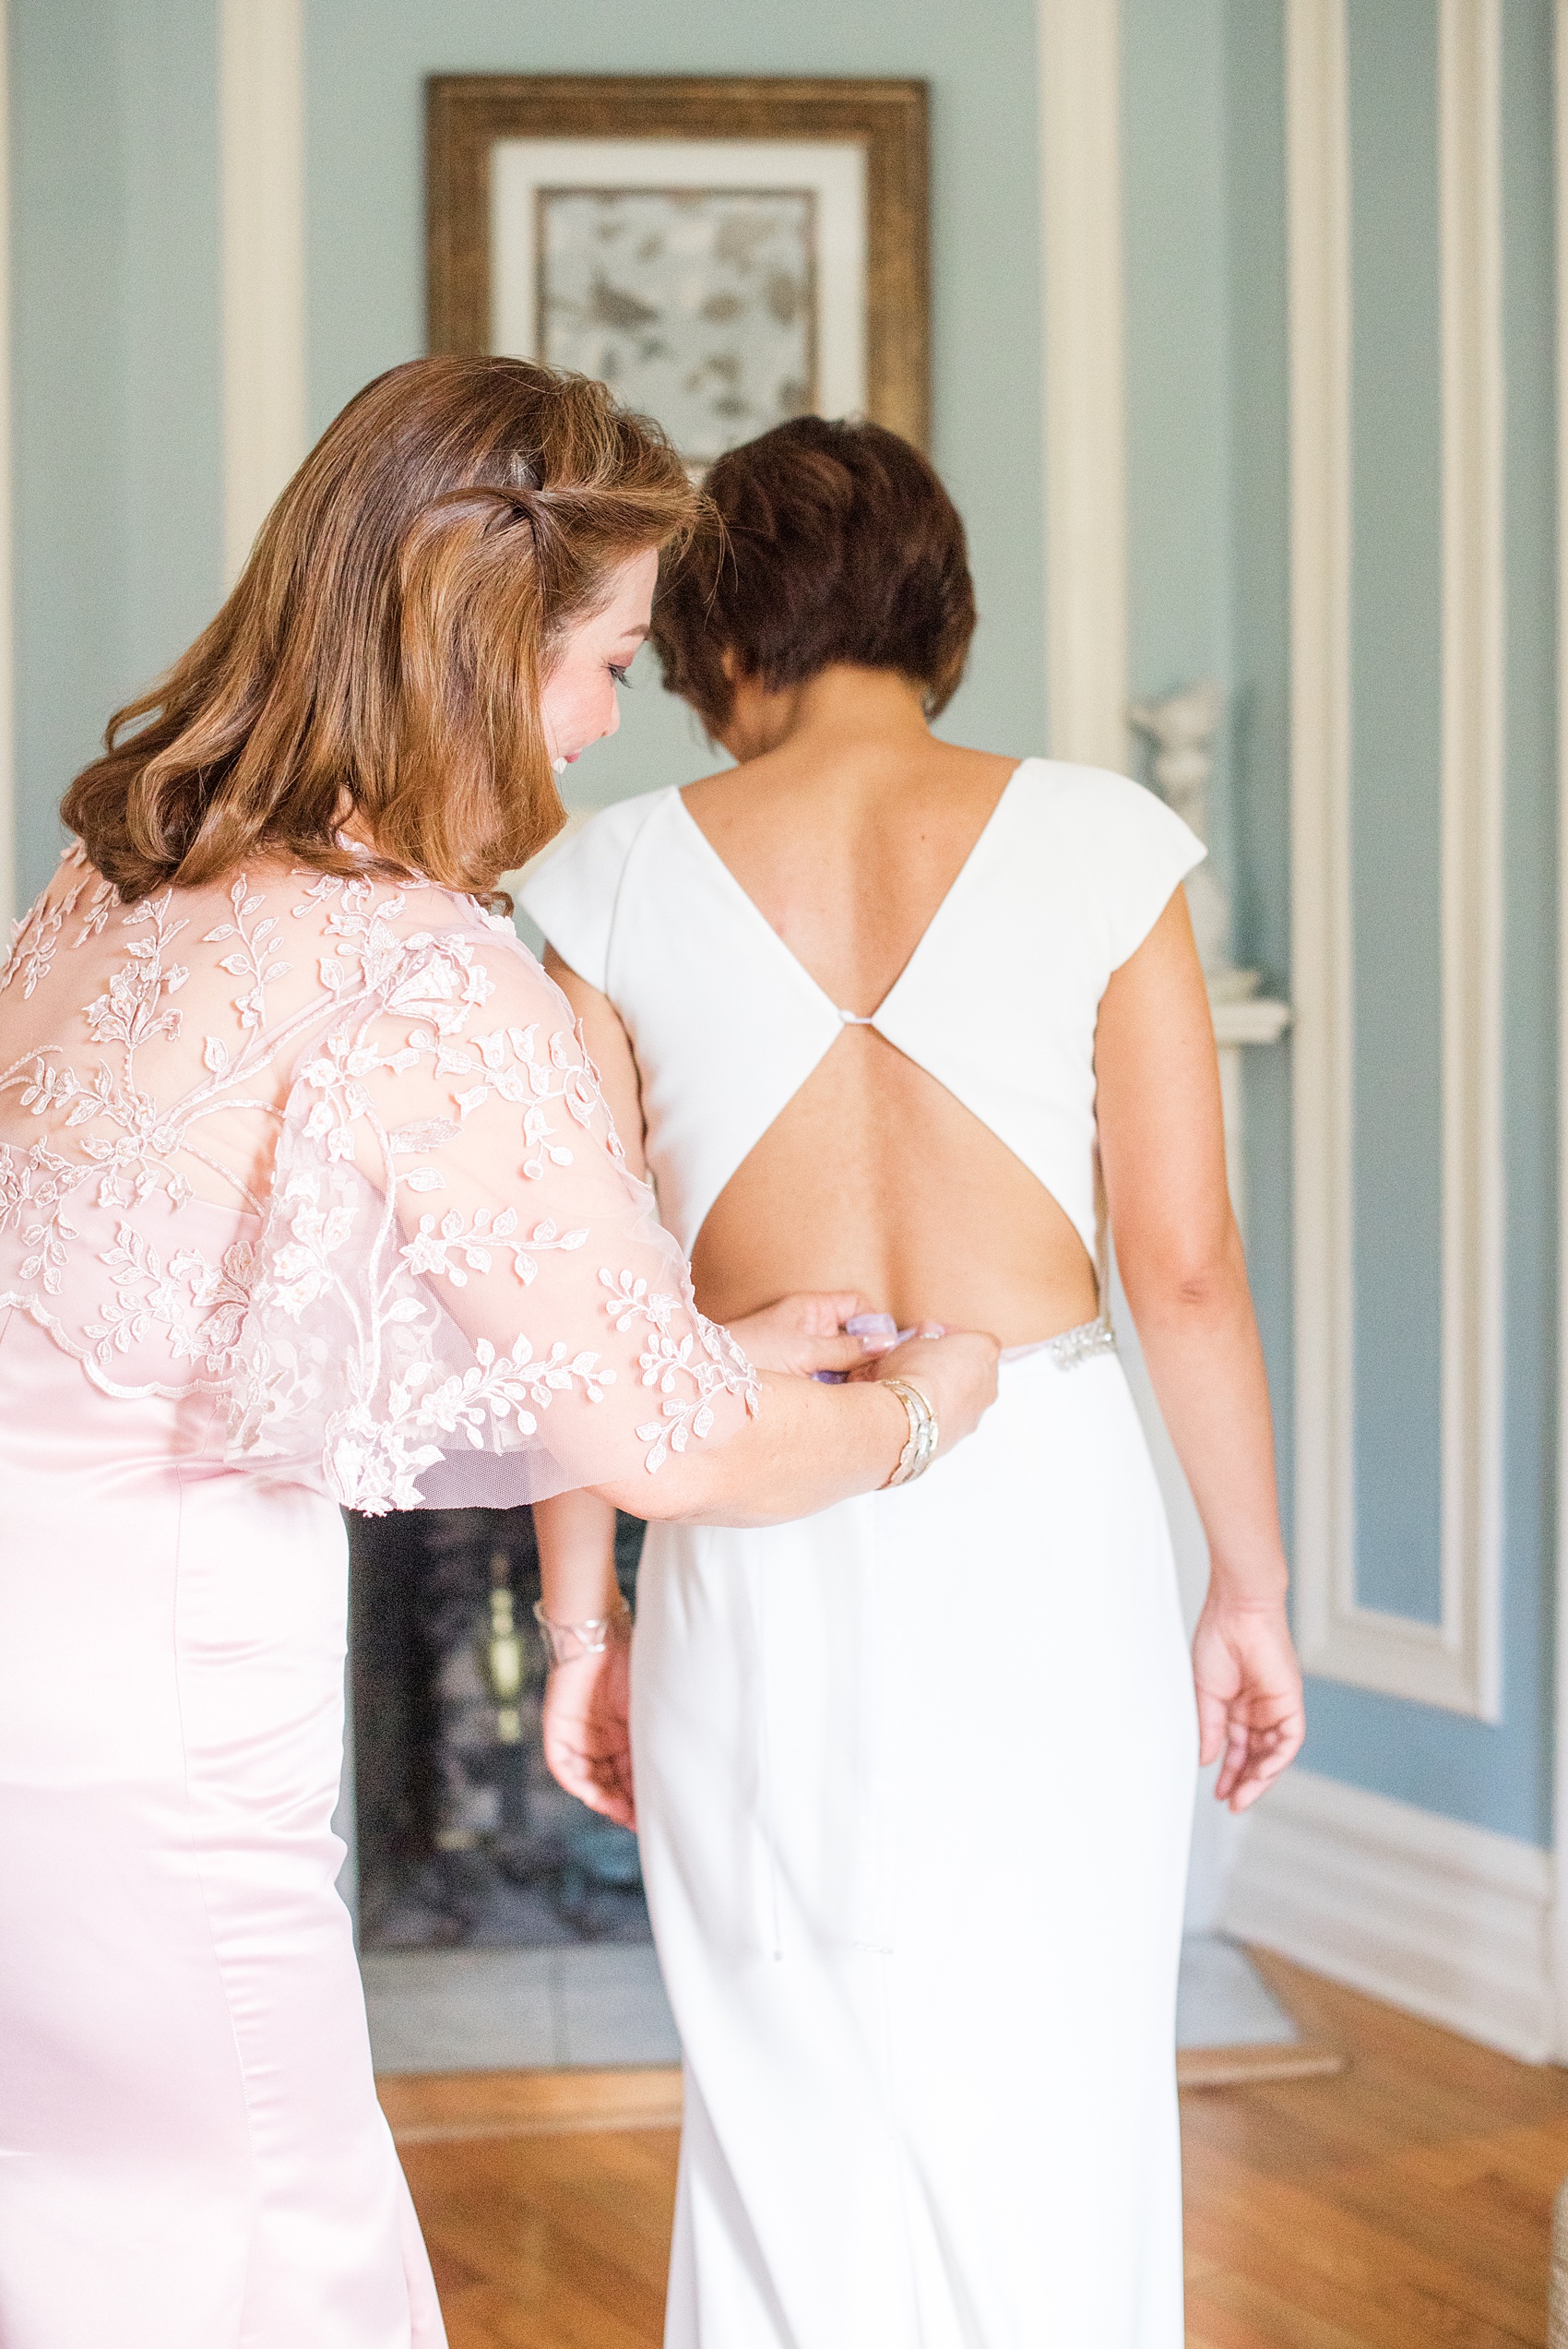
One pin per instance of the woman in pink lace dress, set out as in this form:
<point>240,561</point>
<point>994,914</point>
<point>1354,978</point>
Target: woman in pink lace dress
<point>308,1196</point>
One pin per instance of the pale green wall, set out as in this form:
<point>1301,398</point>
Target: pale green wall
<point>118,547</point>
<point>115,231</point>
<point>1204,130</point>
<point>1499,1777</point>
<point>367,64</point>
<point>117,462</point>
<point>1259,577</point>
<point>1179,395</point>
<point>1395,815</point>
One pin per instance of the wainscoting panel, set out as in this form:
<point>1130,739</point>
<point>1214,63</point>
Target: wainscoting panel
<point>1446,1920</point>
<point>1453,1661</point>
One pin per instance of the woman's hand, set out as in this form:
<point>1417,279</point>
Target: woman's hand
<point>955,1372</point>
<point>1251,1714</point>
<point>587,1740</point>
<point>801,1335</point>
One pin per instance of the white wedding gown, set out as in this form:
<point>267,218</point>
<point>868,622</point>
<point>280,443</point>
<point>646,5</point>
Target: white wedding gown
<point>914,1775</point>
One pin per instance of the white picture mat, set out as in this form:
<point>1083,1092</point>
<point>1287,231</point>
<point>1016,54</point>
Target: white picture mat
<point>834,170</point>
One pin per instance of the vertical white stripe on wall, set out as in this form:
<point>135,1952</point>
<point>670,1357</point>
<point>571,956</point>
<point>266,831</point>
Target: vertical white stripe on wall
<point>1559,1758</point>
<point>8,641</point>
<point>1318,182</point>
<point>1454,1663</point>
<point>1086,538</point>
<point>261,74</point>
<point>1470,204</point>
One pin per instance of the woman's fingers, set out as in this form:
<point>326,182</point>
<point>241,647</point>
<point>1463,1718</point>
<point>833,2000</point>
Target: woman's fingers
<point>1212,1728</point>
<point>818,1312</point>
<point>837,1305</point>
<point>957,1372</point>
<point>1255,1756</point>
<point>587,1737</point>
<point>601,1780</point>
<point>1234,1753</point>
<point>837,1353</point>
<point>611,1802</point>
<point>1250,1714</point>
<point>802,1335</point>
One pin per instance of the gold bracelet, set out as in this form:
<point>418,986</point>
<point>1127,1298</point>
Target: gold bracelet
<point>563,1642</point>
<point>924,1432</point>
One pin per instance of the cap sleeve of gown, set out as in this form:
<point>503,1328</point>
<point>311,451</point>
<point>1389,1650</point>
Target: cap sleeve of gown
<point>463,1295</point>
<point>1127,849</point>
<point>1134,851</point>
<point>571,893</point>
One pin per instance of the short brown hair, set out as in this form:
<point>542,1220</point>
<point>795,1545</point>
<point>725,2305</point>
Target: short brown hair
<point>831,542</point>
<point>389,638</point>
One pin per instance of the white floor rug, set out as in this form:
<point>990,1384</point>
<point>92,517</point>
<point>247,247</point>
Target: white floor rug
<point>603,2003</point>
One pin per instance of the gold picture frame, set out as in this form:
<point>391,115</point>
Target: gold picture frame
<point>750,126</point>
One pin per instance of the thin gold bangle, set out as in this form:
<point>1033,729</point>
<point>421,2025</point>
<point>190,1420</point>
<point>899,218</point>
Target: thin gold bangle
<point>591,1637</point>
<point>924,1432</point>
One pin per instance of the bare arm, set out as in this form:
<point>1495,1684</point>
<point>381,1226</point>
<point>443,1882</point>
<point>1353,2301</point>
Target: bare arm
<point>1163,1147</point>
<point>610,1049</point>
<point>587,1723</point>
<point>576,1556</point>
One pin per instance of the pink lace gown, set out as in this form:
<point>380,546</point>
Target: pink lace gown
<point>307,1196</point>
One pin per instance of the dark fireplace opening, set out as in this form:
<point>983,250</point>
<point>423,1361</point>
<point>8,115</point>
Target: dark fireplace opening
<point>465,1840</point>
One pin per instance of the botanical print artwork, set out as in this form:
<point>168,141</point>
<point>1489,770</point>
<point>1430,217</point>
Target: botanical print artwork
<point>697,305</point>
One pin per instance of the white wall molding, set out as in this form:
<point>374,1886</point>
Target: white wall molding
<point>1085,458</point>
<point>261,79</point>
<point>1559,1755</point>
<point>8,810</point>
<point>1456,1662</point>
<point>1470,185</point>
<point>1446,1920</point>
<point>1318,204</point>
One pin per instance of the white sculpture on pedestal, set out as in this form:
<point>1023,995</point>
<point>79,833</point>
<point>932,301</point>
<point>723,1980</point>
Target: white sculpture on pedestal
<point>1182,727</point>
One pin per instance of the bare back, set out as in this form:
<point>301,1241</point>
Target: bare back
<point>874,1178</point>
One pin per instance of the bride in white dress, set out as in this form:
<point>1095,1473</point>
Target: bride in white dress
<point>913,1777</point>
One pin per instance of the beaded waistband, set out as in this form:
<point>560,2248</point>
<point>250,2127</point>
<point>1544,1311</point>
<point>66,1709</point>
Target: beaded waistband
<point>1069,1347</point>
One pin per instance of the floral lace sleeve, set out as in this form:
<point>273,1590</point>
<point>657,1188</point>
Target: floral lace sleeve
<point>463,1294</point>
<point>327,1151</point>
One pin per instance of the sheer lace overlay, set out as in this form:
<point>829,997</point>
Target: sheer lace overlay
<point>331,1151</point>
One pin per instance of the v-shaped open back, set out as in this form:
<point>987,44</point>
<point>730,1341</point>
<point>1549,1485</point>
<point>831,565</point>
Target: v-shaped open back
<point>997,1002</point>
<point>727,879</point>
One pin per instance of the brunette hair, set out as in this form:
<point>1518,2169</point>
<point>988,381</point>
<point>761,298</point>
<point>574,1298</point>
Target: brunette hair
<point>828,542</point>
<point>386,645</point>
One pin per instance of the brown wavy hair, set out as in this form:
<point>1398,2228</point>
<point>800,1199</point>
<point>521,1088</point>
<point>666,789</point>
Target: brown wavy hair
<point>383,651</point>
<point>824,542</point>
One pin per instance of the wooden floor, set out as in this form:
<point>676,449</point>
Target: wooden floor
<point>1404,2204</point>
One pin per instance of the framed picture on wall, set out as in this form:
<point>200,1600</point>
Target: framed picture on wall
<point>724,252</point>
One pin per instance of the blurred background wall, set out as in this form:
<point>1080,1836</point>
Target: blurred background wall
<point>118,491</point>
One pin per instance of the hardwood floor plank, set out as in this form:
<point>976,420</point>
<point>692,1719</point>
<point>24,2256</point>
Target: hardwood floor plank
<point>428,2108</point>
<point>1403,2204</point>
<point>1312,2230</point>
<point>563,2243</point>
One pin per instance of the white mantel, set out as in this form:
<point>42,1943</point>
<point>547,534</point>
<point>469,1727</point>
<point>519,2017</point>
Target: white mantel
<point>1253,1019</point>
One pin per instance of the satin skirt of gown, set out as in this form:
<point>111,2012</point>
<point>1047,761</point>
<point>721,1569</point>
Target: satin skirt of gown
<point>191,2152</point>
<point>914,1783</point>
